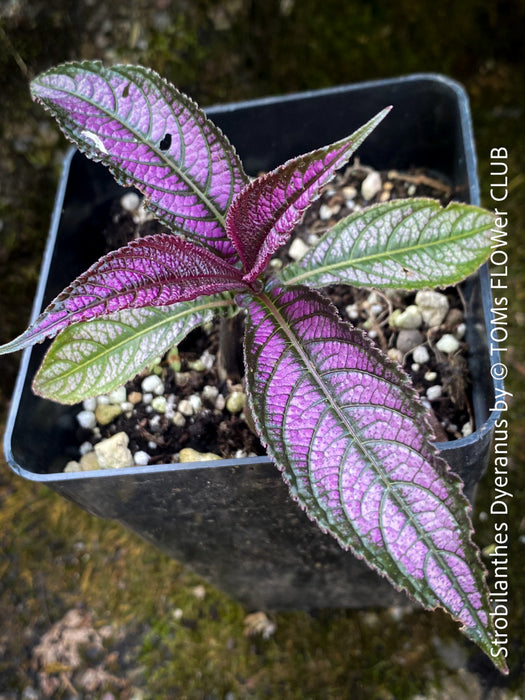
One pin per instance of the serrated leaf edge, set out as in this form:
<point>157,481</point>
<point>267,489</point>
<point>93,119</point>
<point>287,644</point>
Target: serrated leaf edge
<point>221,304</point>
<point>118,174</point>
<point>454,482</point>
<point>303,276</point>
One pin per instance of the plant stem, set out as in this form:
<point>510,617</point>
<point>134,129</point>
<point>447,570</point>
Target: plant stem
<point>230,360</point>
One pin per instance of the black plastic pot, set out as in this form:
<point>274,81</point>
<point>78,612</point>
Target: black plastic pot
<point>232,520</point>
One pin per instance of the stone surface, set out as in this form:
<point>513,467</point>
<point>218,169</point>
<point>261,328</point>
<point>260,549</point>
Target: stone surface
<point>235,401</point>
<point>130,201</point>
<point>447,344</point>
<point>113,452</point>
<point>433,306</point>
<point>371,185</point>
<point>190,455</point>
<point>409,319</point>
<point>105,413</point>
<point>141,458</point>
<point>407,340</point>
<point>117,395</point>
<point>298,249</point>
<point>434,392</point>
<point>86,419</point>
<point>88,462</point>
<point>159,404</point>
<point>153,384</point>
<point>185,407</point>
<point>420,355</point>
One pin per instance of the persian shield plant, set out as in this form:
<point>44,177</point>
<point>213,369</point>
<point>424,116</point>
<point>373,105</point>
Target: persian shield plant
<point>340,419</point>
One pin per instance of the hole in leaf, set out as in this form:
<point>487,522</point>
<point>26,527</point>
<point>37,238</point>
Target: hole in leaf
<point>125,92</point>
<point>165,143</point>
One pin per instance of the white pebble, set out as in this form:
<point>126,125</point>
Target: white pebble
<point>102,400</point>
<point>159,404</point>
<point>420,355</point>
<point>152,445</point>
<point>153,384</point>
<point>86,419</point>
<point>188,454</point>
<point>207,359</point>
<point>178,420</point>
<point>113,453</point>
<point>196,365</point>
<point>349,192</point>
<point>352,311</point>
<point>126,406</point>
<point>141,458</point>
<point>117,396</point>
<point>376,309</point>
<point>182,378</point>
<point>447,344</point>
<point>85,447</point>
<point>154,423</point>
<point>409,319</point>
<point>210,392</point>
<point>415,367</point>
<point>434,392</point>
<point>460,331</point>
<point>433,306</point>
<point>430,376</point>
<point>313,239</point>
<point>411,190</point>
<point>89,404</point>
<point>72,466</point>
<point>130,201</point>
<point>325,212</point>
<point>467,429</point>
<point>235,401</point>
<point>185,407</point>
<point>396,355</point>
<point>298,249</point>
<point>371,185</point>
<point>196,402</point>
<point>220,402</point>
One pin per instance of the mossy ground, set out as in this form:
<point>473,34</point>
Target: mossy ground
<point>172,640</point>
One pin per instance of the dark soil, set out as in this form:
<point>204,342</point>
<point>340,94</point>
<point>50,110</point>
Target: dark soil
<point>216,430</point>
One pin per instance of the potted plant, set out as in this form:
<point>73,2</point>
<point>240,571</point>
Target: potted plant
<point>338,418</point>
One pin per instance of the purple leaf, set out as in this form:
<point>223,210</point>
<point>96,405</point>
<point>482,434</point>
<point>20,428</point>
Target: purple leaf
<point>152,271</point>
<point>151,136</point>
<point>345,427</point>
<point>265,213</point>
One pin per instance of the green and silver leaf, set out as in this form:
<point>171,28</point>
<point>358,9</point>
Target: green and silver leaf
<point>406,244</point>
<point>94,357</point>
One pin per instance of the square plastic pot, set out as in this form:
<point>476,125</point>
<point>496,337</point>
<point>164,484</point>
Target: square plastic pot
<point>232,520</point>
